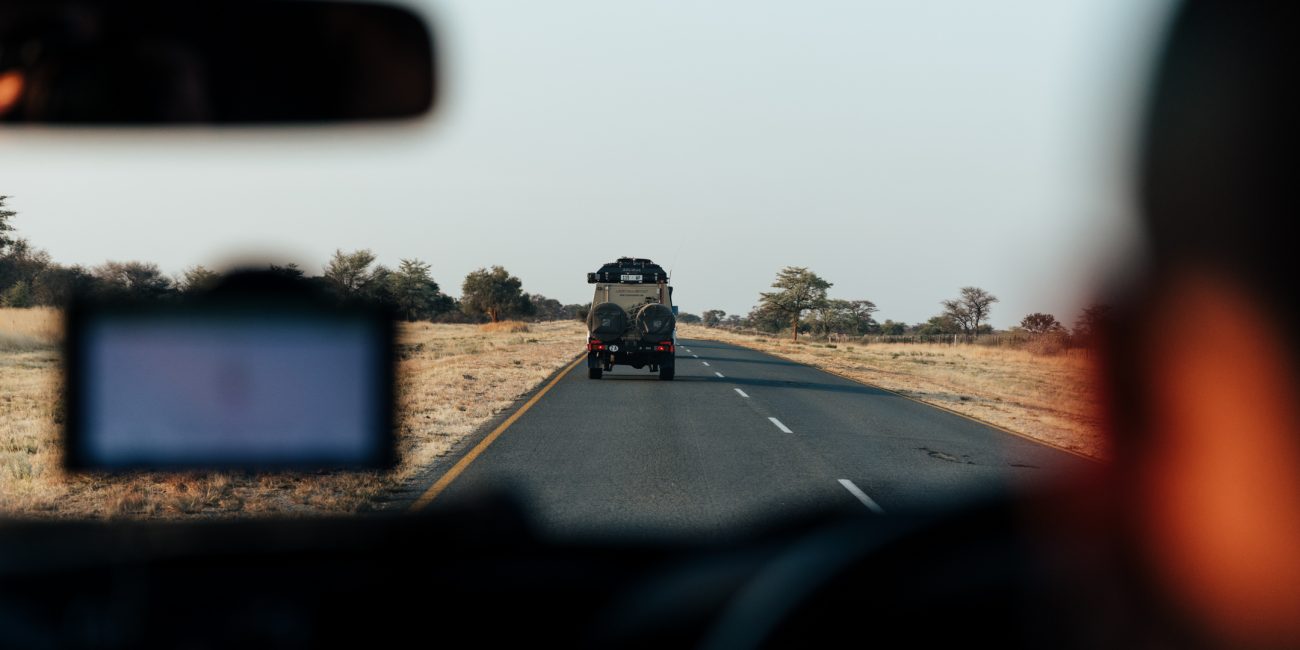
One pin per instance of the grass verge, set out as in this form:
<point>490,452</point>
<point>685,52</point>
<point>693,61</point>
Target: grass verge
<point>450,380</point>
<point>1050,398</point>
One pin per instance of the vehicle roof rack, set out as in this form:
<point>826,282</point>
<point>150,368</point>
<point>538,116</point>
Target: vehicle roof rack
<point>629,270</point>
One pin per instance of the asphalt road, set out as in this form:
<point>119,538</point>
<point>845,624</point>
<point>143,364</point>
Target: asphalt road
<point>740,437</point>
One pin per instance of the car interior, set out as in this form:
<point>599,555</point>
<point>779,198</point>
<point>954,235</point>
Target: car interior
<point>1186,538</point>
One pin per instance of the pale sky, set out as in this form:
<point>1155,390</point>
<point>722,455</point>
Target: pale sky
<point>899,149</point>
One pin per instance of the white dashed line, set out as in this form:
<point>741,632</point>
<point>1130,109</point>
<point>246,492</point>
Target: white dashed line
<point>862,496</point>
<point>694,355</point>
<point>705,362</point>
<point>720,375</point>
<point>780,426</point>
<point>742,393</point>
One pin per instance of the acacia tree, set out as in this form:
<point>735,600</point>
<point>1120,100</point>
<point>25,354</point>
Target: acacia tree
<point>1040,323</point>
<point>577,312</point>
<point>133,280</point>
<point>713,317</point>
<point>414,293</point>
<point>762,317</point>
<point>545,309</point>
<point>891,328</point>
<point>970,309</point>
<point>58,285</point>
<point>845,317</point>
<point>21,263</point>
<point>494,293</point>
<point>799,291</point>
<point>197,278</point>
<point>351,275</point>
<point>941,325</point>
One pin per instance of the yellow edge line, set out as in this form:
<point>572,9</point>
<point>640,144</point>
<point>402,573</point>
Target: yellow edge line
<point>457,469</point>
<point>920,401</point>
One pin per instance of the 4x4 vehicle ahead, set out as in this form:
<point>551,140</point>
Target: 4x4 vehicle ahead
<point>631,321</point>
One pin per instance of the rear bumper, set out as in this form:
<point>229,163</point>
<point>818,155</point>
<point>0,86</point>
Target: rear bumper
<point>634,353</point>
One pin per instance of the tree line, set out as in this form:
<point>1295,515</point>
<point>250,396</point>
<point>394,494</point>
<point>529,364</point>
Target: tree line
<point>800,304</point>
<point>30,278</point>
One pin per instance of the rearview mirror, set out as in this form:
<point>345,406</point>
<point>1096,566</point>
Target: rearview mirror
<point>92,62</point>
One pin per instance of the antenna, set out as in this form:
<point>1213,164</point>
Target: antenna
<point>673,264</point>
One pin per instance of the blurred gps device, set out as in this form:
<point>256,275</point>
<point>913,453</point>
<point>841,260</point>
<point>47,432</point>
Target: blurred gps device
<point>261,373</point>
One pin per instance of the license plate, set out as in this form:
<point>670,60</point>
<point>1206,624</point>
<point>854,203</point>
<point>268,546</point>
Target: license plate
<point>632,278</point>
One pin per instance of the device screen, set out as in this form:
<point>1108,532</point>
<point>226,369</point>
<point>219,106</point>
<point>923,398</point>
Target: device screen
<point>213,389</point>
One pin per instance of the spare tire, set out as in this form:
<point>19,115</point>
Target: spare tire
<point>606,322</point>
<point>654,322</point>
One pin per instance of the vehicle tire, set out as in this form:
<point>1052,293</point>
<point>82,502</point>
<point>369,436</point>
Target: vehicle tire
<point>654,322</point>
<point>666,373</point>
<point>606,322</point>
<point>593,373</point>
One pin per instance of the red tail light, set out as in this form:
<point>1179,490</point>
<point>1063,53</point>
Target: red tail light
<point>595,346</point>
<point>666,346</point>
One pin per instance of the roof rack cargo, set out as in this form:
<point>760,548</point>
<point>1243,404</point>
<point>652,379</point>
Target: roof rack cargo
<point>629,270</point>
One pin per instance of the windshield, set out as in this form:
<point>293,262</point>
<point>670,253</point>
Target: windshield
<point>883,227</point>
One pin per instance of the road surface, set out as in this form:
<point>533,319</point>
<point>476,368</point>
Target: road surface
<point>740,437</point>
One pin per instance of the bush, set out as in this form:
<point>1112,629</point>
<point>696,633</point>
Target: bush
<point>18,295</point>
<point>1046,345</point>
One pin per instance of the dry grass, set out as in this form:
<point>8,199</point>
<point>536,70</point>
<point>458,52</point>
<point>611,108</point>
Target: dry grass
<point>25,330</point>
<point>507,326</point>
<point>1047,397</point>
<point>451,379</point>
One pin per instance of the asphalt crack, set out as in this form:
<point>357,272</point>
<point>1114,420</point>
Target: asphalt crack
<point>939,455</point>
